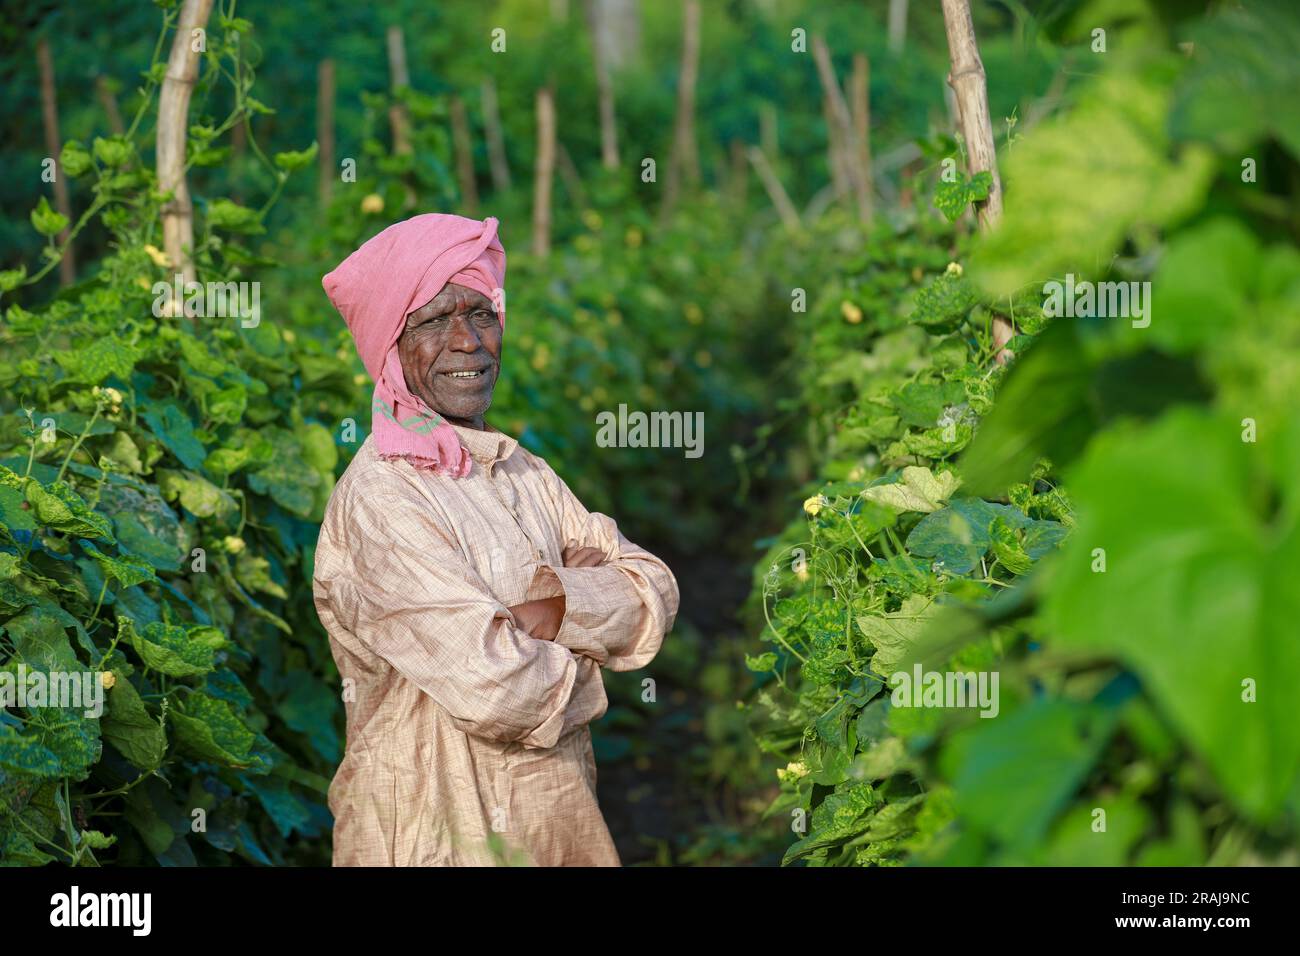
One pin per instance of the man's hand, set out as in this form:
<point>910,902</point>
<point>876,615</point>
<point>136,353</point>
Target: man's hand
<point>576,557</point>
<point>541,618</point>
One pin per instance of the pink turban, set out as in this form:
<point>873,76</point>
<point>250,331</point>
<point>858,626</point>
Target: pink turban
<point>375,289</point>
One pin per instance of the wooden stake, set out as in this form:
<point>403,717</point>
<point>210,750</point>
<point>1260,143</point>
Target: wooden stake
<point>495,140</point>
<point>684,161</point>
<point>775,191</point>
<point>600,39</point>
<point>325,129</point>
<point>545,172</point>
<point>399,77</point>
<point>109,104</point>
<point>173,116</point>
<point>860,99</point>
<point>572,178</point>
<point>399,120</point>
<point>460,136</point>
<point>968,86</point>
<point>53,146</point>
<point>840,112</point>
<point>897,25</point>
<point>834,152</point>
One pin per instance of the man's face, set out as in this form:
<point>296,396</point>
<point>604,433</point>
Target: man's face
<point>455,333</point>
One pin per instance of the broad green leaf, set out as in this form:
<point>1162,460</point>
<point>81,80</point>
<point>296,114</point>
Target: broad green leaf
<point>893,633</point>
<point>172,649</point>
<point>918,489</point>
<point>1196,595</point>
<point>210,730</point>
<point>1068,208</point>
<point>198,495</point>
<point>127,726</point>
<point>62,509</point>
<point>173,427</point>
<point>1014,774</point>
<point>125,570</point>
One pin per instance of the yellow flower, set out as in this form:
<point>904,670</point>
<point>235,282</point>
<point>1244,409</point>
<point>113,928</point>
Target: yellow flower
<point>592,220</point>
<point>143,283</point>
<point>108,679</point>
<point>815,504</point>
<point>852,314</point>
<point>792,771</point>
<point>158,256</point>
<point>233,544</point>
<point>360,379</point>
<point>954,269</point>
<point>289,336</point>
<point>374,203</point>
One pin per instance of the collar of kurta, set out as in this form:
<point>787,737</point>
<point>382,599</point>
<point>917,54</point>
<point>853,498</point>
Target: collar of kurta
<point>487,447</point>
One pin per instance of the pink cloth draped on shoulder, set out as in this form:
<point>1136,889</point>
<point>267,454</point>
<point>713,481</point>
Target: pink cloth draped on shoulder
<point>378,285</point>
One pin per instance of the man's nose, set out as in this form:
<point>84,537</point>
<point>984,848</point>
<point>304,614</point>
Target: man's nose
<point>462,337</point>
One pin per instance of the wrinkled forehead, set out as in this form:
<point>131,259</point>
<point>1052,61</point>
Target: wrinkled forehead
<point>455,297</point>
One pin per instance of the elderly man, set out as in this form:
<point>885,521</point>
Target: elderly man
<point>470,599</point>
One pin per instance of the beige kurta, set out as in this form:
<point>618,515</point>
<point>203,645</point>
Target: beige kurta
<point>467,739</point>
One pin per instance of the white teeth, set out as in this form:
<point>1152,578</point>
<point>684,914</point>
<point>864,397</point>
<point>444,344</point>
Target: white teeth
<point>464,374</point>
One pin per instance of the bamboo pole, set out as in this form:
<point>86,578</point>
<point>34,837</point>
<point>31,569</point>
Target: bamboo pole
<point>600,37</point>
<point>173,115</point>
<point>572,178</point>
<point>860,103</point>
<point>325,129</point>
<point>968,86</point>
<point>545,172</point>
<point>108,102</point>
<point>897,25</point>
<point>840,112</point>
<point>464,146</point>
<point>834,152</point>
<point>53,146</point>
<point>967,80</point>
<point>775,191</point>
<point>399,78</point>
<point>495,139</point>
<point>684,161</point>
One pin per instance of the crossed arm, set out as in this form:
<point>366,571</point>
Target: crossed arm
<point>408,594</point>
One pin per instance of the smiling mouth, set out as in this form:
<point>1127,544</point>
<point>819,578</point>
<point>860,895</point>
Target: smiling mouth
<point>465,375</point>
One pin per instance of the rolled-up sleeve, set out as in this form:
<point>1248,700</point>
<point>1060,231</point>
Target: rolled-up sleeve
<point>617,612</point>
<point>415,601</point>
